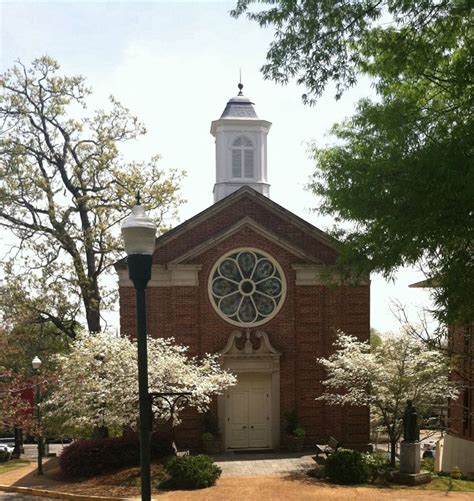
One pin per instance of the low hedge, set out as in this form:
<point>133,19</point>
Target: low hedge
<point>87,458</point>
<point>346,466</point>
<point>191,472</point>
<point>4,455</point>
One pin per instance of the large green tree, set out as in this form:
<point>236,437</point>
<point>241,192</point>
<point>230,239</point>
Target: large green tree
<point>64,188</point>
<point>20,344</point>
<point>400,170</point>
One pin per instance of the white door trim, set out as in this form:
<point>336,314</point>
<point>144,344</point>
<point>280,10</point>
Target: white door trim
<point>265,359</point>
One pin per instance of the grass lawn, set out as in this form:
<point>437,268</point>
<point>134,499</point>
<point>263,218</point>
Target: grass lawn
<point>447,484</point>
<point>12,465</point>
<point>444,484</point>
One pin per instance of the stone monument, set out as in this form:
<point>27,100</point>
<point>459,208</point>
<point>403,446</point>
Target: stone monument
<point>410,451</point>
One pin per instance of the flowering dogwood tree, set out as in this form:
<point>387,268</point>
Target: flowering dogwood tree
<point>384,378</point>
<point>98,381</point>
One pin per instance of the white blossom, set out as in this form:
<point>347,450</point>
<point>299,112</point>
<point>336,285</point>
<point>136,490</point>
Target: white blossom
<point>98,381</point>
<point>400,369</point>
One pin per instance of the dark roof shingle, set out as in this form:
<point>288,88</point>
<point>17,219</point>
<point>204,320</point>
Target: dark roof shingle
<point>239,107</point>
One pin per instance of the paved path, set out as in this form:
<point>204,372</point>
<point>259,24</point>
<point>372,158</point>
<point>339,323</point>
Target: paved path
<point>256,464</point>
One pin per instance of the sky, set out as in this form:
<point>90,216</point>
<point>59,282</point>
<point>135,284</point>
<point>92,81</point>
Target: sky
<point>175,65</point>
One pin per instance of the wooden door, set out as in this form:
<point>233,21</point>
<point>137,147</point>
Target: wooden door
<point>248,407</point>
<point>259,414</point>
<point>237,418</point>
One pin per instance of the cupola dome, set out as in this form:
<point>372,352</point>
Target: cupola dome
<point>241,148</point>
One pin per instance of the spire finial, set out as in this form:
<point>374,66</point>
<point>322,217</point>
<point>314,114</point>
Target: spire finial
<point>241,85</point>
<point>138,199</point>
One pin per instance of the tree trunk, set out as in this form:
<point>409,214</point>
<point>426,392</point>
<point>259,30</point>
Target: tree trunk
<point>92,300</point>
<point>93,320</point>
<point>18,442</point>
<point>393,450</point>
<point>101,432</point>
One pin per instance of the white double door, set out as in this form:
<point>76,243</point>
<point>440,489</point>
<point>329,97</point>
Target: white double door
<point>248,406</point>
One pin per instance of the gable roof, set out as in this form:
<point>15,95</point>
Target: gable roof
<point>240,193</point>
<point>246,222</point>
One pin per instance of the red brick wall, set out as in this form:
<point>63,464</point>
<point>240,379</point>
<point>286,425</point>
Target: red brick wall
<point>246,206</point>
<point>461,416</point>
<point>303,330</point>
<point>320,312</point>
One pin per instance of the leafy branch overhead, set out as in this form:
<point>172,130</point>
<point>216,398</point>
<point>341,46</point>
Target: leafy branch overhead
<point>321,43</point>
<point>400,171</point>
<point>64,187</point>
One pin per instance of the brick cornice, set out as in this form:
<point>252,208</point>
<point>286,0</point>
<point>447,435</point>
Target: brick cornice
<point>324,275</point>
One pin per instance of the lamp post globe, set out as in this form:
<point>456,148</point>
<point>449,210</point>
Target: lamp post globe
<point>138,232</point>
<point>36,364</point>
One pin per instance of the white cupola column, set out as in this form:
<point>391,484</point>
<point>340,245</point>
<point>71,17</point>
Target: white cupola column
<point>241,148</point>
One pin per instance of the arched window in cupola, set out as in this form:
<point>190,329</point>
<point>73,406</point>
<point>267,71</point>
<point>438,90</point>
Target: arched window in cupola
<point>242,158</point>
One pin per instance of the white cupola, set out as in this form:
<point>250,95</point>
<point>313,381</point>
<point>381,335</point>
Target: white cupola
<point>241,148</point>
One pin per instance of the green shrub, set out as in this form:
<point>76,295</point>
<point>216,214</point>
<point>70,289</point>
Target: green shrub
<point>346,466</point>
<point>192,472</point>
<point>207,437</point>
<point>319,473</point>
<point>211,443</point>
<point>378,466</point>
<point>210,424</point>
<point>299,432</point>
<point>4,455</point>
<point>456,472</point>
<point>292,422</point>
<point>427,464</point>
<point>449,474</point>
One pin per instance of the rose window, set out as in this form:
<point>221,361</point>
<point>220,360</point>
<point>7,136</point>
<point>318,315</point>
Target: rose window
<point>247,287</point>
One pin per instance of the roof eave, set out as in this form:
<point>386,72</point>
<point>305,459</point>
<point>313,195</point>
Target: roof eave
<point>239,121</point>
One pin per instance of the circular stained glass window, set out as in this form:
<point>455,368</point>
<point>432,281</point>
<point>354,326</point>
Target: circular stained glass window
<point>247,287</point>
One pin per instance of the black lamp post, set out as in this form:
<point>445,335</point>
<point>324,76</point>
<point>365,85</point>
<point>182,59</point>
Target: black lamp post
<point>36,364</point>
<point>174,400</point>
<point>138,232</point>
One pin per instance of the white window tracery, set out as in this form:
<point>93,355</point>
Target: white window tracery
<point>247,287</point>
<point>242,158</point>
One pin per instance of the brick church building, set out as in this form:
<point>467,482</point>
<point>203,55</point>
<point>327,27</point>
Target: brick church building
<point>245,278</point>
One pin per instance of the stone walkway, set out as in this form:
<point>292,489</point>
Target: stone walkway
<point>267,463</point>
